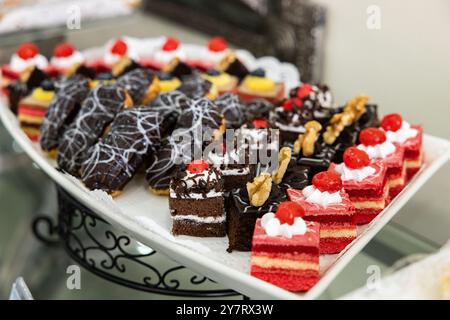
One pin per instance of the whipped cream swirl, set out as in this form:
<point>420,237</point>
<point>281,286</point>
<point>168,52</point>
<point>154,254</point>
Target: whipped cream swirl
<point>273,227</point>
<point>314,195</point>
<point>381,150</point>
<point>212,57</point>
<point>64,63</point>
<point>17,64</point>
<point>349,174</point>
<point>402,134</point>
<point>164,57</point>
<point>112,58</point>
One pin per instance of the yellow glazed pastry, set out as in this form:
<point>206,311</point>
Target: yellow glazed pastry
<point>169,85</point>
<point>258,84</point>
<point>40,94</point>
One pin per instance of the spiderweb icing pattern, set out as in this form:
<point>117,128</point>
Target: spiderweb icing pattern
<point>232,109</point>
<point>169,106</point>
<point>97,112</point>
<point>194,86</point>
<point>70,95</point>
<point>137,82</point>
<point>114,160</point>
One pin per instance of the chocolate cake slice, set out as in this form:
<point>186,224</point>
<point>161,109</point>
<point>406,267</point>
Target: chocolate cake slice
<point>113,161</point>
<point>242,215</point>
<point>97,112</point>
<point>196,201</point>
<point>62,110</point>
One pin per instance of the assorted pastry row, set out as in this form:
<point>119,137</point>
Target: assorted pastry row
<point>285,176</point>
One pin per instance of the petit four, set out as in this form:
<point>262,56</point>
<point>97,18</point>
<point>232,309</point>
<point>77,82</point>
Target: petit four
<point>232,65</point>
<point>257,86</point>
<point>374,143</point>
<point>285,248</point>
<point>410,136</point>
<point>326,202</point>
<point>114,160</point>
<point>65,58</point>
<point>212,54</point>
<point>222,80</point>
<point>141,84</point>
<point>365,183</point>
<point>97,111</point>
<point>62,110</point>
<point>26,57</point>
<point>170,50</point>
<point>118,50</point>
<point>32,109</point>
<point>231,109</point>
<point>197,202</point>
<point>246,206</point>
<point>194,86</point>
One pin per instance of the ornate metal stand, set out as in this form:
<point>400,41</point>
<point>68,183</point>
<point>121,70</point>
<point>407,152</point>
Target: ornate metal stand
<point>98,247</point>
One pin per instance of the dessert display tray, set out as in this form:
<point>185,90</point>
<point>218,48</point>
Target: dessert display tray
<point>146,217</point>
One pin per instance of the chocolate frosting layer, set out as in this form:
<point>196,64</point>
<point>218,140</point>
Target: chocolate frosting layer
<point>96,113</point>
<point>242,201</point>
<point>137,83</point>
<point>62,110</point>
<point>194,86</point>
<point>231,109</point>
<point>114,161</point>
<point>169,106</point>
<point>184,184</point>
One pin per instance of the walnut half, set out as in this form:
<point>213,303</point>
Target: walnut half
<point>259,189</point>
<point>284,157</point>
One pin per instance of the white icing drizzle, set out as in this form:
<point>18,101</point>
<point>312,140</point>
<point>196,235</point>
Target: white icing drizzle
<point>402,134</point>
<point>349,174</point>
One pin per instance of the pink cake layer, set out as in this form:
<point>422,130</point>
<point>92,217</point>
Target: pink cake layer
<point>339,212</point>
<point>365,216</point>
<point>334,237</point>
<point>397,183</point>
<point>291,282</point>
<point>334,245</point>
<point>414,145</point>
<point>298,256</point>
<point>370,187</point>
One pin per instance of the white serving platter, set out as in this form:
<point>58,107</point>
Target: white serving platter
<point>146,218</point>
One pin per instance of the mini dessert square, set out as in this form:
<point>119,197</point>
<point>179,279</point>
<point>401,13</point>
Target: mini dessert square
<point>409,136</point>
<point>65,58</point>
<point>197,202</point>
<point>326,202</point>
<point>232,109</point>
<point>32,109</point>
<point>374,143</point>
<point>246,206</point>
<point>211,55</point>
<point>231,64</point>
<point>222,80</point>
<point>257,86</point>
<point>365,183</point>
<point>285,249</point>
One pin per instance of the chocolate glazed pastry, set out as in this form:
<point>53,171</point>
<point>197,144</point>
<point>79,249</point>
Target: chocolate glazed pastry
<point>169,106</point>
<point>141,84</point>
<point>323,156</point>
<point>97,112</point>
<point>114,160</point>
<point>295,177</point>
<point>242,216</point>
<point>163,164</point>
<point>62,110</point>
<point>231,109</point>
<point>194,86</point>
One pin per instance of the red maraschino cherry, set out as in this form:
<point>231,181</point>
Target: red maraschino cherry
<point>304,90</point>
<point>392,122</point>
<point>260,123</point>
<point>288,211</point>
<point>289,104</point>
<point>372,136</point>
<point>27,51</point>
<point>63,50</point>
<point>355,158</point>
<point>120,47</point>
<point>197,166</point>
<point>171,44</point>
<point>217,44</point>
<point>327,181</point>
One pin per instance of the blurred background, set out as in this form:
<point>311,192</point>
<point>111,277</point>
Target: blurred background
<point>400,59</point>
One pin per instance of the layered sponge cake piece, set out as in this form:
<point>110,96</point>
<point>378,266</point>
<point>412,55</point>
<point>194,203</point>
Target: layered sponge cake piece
<point>327,203</point>
<point>285,249</point>
<point>409,136</point>
<point>365,183</point>
<point>375,144</point>
<point>196,201</point>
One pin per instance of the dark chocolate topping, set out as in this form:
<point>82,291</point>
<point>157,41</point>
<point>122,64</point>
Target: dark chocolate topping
<point>258,109</point>
<point>137,83</point>
<point>194,86</point>
<point>232,110</point>
<point>96,113</point>
<point>62,110</point>
<point>242,201</point>
<point>184,184</point>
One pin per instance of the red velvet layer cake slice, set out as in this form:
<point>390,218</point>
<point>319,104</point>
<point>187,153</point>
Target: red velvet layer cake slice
<point>374,143</point>
<point>326,202</point>
<point>409,136</point>
<point>285,249</point>
<point>196,201</point>
<point>365,183</point>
